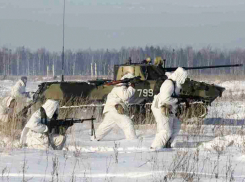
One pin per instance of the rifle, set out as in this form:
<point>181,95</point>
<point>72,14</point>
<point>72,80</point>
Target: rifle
<point>126,80</point>
<point>98,82</point>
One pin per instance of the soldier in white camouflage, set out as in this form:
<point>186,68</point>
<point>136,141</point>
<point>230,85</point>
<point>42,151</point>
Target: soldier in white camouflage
<point>164,108</point>
<point>115,111</point>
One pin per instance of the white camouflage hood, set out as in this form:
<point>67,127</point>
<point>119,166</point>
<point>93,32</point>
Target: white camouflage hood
<point>179,75</point>
<point>50,106</point>
<point>128,75</point>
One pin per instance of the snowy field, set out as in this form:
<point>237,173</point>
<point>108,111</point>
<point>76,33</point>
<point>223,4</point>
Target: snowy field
<point>212,151</point>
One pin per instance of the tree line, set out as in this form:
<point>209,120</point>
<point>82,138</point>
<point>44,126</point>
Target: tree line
<point>23,61</point>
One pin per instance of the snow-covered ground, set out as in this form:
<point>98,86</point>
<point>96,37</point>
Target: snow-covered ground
<point>213,151</point>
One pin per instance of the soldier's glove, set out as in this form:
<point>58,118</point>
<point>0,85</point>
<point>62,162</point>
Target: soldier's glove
<point>120,109</point>
<point>166,110</point>
<point>46,132</point>
<point>131,84</point>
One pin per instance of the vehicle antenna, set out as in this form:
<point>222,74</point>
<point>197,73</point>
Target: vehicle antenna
<point>63,54</point>
<point>164,63</point>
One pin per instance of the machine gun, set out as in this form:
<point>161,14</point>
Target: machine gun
<point>60,126</point>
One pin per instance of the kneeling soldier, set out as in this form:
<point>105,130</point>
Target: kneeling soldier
<point>36,133</point>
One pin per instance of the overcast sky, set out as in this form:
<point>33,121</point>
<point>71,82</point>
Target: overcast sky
<point>116,23</point>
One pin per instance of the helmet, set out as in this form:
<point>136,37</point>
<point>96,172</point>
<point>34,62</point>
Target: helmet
<point>158,61</point>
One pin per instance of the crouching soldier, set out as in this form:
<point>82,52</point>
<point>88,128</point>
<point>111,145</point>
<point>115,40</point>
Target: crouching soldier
<point>115,111</point>
<point>164,108</point>
<point>36,133</point>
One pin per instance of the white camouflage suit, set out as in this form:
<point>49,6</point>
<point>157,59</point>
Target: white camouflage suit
<point>167,126</point>
<point>5,111</point>
<point>120,94</point>
<point>33,134</point>
<point>19,90</point>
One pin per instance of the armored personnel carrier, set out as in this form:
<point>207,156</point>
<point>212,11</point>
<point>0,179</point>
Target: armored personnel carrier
<point>80,98</point>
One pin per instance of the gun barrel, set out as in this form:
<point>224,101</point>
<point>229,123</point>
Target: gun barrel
<point>217,66</point>
<point>71,121</point>
<point>88,119</point>
<point>77,120</point>
<point>206,67</point>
